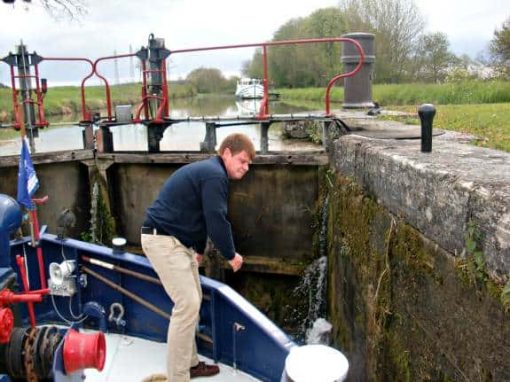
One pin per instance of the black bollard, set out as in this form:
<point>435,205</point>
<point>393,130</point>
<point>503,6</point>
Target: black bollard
<point>426,112</point>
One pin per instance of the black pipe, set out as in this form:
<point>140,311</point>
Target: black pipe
<point>426,112</point>
<point>117,268</point>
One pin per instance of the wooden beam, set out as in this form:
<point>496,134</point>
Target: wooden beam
<point>273,265</point>
<point>257,264</point>
<point>53,157</point>
<point>312,158</point>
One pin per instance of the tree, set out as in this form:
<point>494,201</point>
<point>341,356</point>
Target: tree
<point>68,8</point>
<point>207,80</point>
<point>326,22</point>
<point>433,58</point>
<point>303,65</point>
<point>500,49</point>
<point>397,25</point>
<point>62,8</point>
<point>253,68</point>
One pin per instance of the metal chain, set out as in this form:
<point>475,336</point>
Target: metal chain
<point>31,376</point>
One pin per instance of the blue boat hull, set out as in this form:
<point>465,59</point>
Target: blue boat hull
<point>231,330</point>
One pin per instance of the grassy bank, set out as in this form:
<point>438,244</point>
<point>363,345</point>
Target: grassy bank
<point>459,93</point>
<point>473,107</point>
<point>67,99</point>
<point>490,123</point>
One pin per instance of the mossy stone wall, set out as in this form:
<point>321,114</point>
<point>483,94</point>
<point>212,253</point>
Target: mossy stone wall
<point>401,307</point>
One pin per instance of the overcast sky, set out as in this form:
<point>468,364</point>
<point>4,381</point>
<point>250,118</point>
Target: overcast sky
<point>114,25</point>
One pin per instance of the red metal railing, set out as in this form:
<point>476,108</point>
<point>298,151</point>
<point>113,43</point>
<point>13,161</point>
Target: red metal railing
<point>164,104</point>
<point>264,109</point>
<point>39,93</point>
<point>107,86</point>
<point>85,112</point>
<point>163,107</point>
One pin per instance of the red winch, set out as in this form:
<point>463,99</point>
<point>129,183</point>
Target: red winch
<point>30,351</point>
<point>8,297</point>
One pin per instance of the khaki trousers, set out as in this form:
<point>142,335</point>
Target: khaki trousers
<point>177,269</point>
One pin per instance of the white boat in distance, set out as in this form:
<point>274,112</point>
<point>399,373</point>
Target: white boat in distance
<point>249,88</point>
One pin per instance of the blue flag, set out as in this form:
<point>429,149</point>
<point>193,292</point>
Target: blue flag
<point>27,178</point>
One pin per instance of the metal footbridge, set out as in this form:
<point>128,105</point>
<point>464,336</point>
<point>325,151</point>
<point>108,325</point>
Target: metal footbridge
<point>153,109</point>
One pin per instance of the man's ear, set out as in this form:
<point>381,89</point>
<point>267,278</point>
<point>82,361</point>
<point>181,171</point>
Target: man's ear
<point>227,153</point>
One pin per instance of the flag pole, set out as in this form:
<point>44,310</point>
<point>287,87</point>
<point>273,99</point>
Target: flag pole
<point>27,185</point>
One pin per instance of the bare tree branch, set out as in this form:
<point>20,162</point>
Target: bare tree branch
<point>72,9</point>
<point>397,25</point>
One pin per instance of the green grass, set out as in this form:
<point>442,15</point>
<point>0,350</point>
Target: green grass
<point>467,92</point>
<point>66,99</point>
<point>481,108</point>
<point>490,123</point>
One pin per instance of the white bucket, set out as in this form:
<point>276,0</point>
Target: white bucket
<point>315,363</point>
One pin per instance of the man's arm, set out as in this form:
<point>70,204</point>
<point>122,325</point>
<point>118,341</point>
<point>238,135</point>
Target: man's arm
<point>214,205</point>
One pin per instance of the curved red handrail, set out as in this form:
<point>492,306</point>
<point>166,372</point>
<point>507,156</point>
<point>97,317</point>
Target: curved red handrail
<point>264,110</point>
<point>159,113</point>
<point>85,113</point>
<point>107,86</point>
<point>163,109</point>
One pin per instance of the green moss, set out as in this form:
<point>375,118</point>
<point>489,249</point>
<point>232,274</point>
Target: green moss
<point>408,246</point>
<point>319,240</point>
<point>372,242</point>
<point>395,300</point>
<point>355,221</point>
<point>394,281</point>
<point>505,296</point>
<point>472,267</point>
<point>102,225</point>
<point>105,228</point>
<point>398,359</point>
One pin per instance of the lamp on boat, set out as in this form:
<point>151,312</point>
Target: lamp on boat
<point>62,282</point>
<point>315,363</point>
<point>60,272</point>
<point>118,245</point>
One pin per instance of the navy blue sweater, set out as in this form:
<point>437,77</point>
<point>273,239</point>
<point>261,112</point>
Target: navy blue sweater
<point>192,205</point>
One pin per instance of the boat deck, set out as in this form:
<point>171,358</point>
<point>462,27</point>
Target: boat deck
<point>131,359</point>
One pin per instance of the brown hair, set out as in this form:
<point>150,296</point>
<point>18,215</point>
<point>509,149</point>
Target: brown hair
<point>236,143</point>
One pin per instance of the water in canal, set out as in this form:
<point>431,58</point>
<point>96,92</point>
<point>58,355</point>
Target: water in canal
<point>65,134</point>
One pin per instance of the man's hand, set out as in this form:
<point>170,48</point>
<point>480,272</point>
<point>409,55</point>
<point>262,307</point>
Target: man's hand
<point>237,262</point>
<point>199,258</point>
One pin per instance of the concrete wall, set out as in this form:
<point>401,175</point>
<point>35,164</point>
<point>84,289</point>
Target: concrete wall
<point>272,210</point>
<point>440,193</point>
<point>419,253</point>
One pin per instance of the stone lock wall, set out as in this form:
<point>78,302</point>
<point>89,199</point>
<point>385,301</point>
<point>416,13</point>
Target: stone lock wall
<point>418,259</point>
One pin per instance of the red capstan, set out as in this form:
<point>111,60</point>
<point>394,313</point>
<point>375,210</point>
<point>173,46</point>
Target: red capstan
<point>6,325</point>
